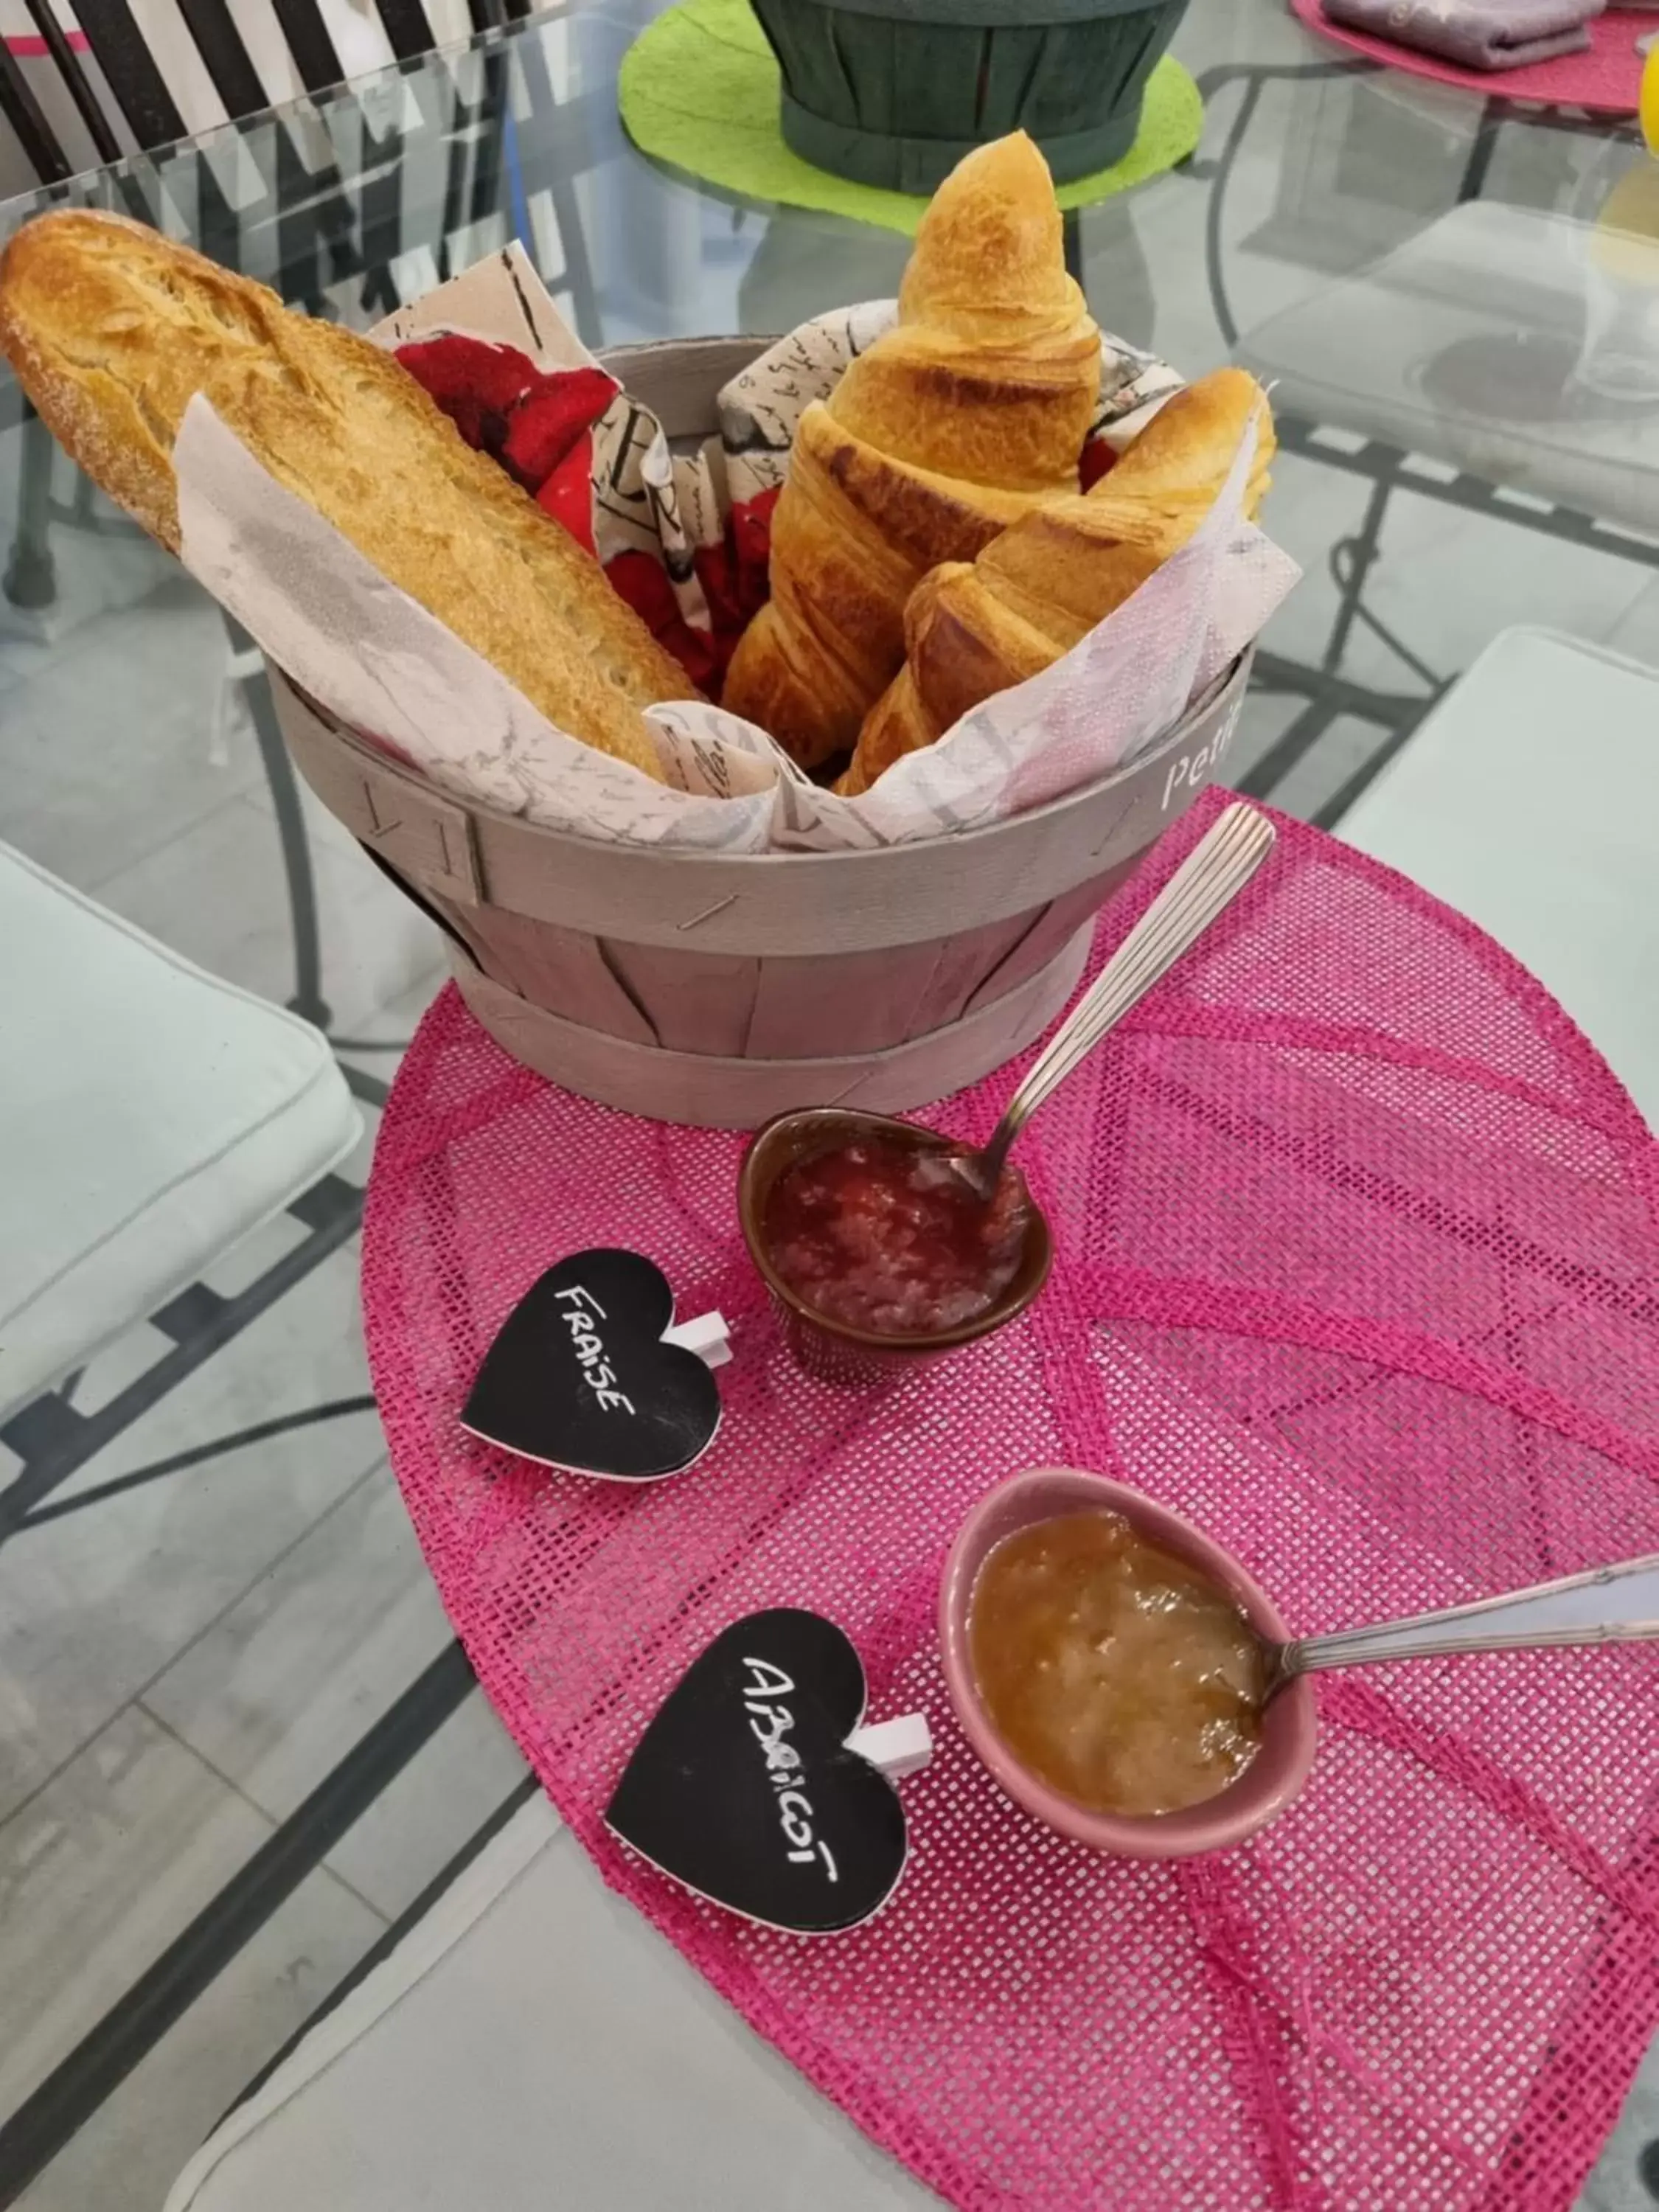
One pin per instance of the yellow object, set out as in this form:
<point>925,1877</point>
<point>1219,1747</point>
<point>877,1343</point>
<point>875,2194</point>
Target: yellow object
<point>1040,586</point>
<point>1648,105</point>
<point>1625,240</point>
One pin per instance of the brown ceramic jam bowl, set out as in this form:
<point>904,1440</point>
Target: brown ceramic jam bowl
<point>839,1350</point>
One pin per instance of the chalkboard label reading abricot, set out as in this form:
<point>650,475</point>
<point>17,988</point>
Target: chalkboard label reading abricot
<point>745,1788</point>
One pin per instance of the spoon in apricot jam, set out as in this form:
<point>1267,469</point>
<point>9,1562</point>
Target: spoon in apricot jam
<point>1125,1677</point>
<point>1616,1604</point>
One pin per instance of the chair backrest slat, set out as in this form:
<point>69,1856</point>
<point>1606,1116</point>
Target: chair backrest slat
<point>68,65</point>
<point>407,27</point>
<point>23,112</point>
<point>119,48</point>
<point>309,43</point>
<point>228,62</point>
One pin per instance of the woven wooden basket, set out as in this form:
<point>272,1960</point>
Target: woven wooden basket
<point>723,989</point>
<point>895,91</point>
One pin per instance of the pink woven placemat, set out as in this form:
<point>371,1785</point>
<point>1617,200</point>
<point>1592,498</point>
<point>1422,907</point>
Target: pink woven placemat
<point>1357,1267</point>
<point>1607,78</point>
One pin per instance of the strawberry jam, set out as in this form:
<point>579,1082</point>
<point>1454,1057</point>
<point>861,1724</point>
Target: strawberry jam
<point>881,1236</point>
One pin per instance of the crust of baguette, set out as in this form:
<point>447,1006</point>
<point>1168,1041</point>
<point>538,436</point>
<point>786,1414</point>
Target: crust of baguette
<point>112,329</point>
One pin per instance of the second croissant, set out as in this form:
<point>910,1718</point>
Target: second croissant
<point>972,628</point>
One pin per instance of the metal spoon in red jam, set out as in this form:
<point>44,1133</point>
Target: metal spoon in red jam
<point>884,1228</point>
<point>890,1238</point>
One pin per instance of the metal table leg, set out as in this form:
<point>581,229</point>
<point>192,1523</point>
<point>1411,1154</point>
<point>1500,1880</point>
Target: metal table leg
<point>31,578</point>
<point>308,999</point>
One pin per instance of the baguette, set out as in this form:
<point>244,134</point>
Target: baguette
<point>113,328</point>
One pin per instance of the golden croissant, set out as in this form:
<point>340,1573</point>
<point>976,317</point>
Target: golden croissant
<point>969,412</point>
<point>974,628</point>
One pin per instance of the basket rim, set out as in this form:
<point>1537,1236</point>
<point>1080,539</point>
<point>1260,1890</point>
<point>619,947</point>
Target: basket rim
<point>385,764</point>
<point>713,900</point>
<point>996,14</point>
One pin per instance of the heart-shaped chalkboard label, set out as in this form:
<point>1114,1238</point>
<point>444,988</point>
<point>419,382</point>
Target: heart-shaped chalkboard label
<point>743,1787</point>
<point>580,1377</point>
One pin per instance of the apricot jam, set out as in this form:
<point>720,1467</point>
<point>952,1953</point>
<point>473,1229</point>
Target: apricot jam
<point>1119,1674</point>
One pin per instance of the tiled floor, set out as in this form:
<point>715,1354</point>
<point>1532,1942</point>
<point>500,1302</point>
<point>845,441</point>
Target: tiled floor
<point>182,1664</point>
<point>187,1662</point>
<point>151,2123</point>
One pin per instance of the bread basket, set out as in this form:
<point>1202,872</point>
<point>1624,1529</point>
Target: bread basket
<point>720,989</point>
<point>895,91</point>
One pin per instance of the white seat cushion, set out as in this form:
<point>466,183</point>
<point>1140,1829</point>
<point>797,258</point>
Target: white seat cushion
<point>533,2044</point>
<point>1528,800</point>
<point>149,1116</point>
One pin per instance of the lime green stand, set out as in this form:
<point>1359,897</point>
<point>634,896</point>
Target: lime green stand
<point>699,88</point>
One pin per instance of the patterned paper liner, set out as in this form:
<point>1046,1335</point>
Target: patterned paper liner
<point>684,536</point>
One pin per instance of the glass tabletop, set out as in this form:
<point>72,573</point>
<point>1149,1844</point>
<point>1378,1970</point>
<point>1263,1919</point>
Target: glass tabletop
<point>238,1742</point>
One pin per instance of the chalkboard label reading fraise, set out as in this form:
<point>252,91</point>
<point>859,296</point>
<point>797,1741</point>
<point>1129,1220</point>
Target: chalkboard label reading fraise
<point>586,1373</point>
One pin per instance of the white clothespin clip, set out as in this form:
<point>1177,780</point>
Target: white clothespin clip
<point>708,1336</point>
<point>898,1747</point>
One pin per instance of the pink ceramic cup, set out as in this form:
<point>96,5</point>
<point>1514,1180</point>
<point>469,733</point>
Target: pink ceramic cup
<point>1267,1786</point>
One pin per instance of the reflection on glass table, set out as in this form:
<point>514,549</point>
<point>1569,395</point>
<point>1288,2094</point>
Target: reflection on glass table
<point>1367,162</point>
<point>1514,345</point>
